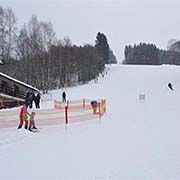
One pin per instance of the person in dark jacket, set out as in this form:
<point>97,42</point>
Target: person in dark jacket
<point>37,100</point>
<point>64,96</point>
<point>170,86</point>
<point>30,97</point>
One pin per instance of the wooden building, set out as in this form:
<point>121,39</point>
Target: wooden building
<point>13,91</point>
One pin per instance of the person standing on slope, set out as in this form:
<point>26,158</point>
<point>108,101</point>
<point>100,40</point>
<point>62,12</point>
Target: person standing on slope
<point>37,100</point>
<point>64,96</point>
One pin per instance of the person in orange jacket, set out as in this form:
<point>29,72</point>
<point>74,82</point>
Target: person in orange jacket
<point>25,116</point>
<point>22,119</point>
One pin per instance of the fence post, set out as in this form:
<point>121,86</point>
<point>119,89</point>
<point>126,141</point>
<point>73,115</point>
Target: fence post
<point>83,103</point>
<point>99,106</point>
<point>104,105</point>
<point>66,114</point>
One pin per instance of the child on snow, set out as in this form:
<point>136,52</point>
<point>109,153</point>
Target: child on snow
<point>25,116</point>
<point>94,105</point>
<point>32,122</point>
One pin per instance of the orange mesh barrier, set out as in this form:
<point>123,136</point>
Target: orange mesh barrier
<point>74,104</point>
<point>75,113</point>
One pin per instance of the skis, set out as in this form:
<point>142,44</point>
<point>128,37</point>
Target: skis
<point>35,130</point>
<point>31,130</point>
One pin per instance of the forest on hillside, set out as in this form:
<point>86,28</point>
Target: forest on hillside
<point>149,54</point>
<point>34,55</point>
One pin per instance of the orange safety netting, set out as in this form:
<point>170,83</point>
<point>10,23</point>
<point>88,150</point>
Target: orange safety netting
<point>63,113</point>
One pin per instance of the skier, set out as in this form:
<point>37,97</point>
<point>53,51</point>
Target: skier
<point>64,96</point>
<point>37,100</point>
<point>170,86</point>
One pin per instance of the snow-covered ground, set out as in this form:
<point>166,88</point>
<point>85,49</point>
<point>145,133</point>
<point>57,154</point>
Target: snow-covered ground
<point>135,140</point>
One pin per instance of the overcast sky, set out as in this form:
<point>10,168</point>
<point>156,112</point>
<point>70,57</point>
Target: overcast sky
<point>123,22</point>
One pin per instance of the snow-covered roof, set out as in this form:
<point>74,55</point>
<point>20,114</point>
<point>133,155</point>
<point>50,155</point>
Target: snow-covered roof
<point>5,96</point>
<point>17,81</point>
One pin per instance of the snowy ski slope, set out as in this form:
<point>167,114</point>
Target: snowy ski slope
<point>134,140</point>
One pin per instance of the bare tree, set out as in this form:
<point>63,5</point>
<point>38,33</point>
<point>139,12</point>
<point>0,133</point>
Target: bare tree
<point>42,37</point>
<point>23,52</point>
<point>7,33</point>
<point>170,43</point>
<point>47,39</point>
<point>43,61</point>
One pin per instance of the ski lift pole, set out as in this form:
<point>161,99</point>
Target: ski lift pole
<point>83,103</point>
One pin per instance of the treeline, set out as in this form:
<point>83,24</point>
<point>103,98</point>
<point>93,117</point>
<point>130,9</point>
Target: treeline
<point>149,54</point>
<point>35,56</point>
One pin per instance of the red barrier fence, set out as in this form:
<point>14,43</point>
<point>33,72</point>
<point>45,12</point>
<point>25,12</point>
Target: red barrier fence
<point>64,113</point>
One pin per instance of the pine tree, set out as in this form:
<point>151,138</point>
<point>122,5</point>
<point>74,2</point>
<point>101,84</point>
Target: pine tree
<point>102,46</point>
<point>142,54</point>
